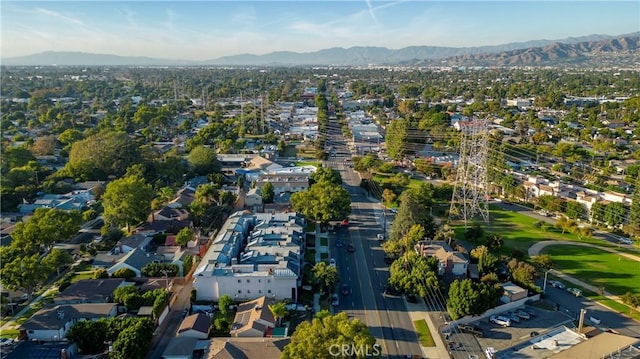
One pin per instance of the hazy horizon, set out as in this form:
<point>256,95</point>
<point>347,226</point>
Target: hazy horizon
<point>203,30</point>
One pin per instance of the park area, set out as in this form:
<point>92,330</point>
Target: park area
<point>617,274</point>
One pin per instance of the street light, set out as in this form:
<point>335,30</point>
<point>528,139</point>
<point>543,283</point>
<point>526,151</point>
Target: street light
<point>166,279</point>
<point>544,285</point>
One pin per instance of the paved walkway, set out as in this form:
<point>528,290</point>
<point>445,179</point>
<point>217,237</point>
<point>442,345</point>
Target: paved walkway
<point>418,311</point>
<point>537,247</point>
<point>319,250</point>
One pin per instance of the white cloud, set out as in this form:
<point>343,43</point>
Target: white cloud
<point>60,16</point>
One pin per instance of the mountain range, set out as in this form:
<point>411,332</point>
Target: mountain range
<point>574,50</point>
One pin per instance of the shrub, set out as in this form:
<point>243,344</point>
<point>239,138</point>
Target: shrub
<point>100,273</point>
<point>221,324</point>
<point>125,273</point>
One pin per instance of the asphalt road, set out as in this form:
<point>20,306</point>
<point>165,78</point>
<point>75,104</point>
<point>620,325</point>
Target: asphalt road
<point>571,305</point>
<point>365,270</point>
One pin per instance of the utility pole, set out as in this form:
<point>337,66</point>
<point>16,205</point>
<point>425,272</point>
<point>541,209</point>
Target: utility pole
<point>581,321</point>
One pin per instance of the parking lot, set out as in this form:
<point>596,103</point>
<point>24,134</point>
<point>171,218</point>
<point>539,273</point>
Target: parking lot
<point>504,337</point>
<point>461,345</point>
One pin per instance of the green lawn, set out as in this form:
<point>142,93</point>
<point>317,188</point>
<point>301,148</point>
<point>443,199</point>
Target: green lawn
<point>616,273</point>
<point>308,163</point>
<point>519,231</point>
<point>426,340</point>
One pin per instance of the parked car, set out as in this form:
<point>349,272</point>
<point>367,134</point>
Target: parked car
<point>5,342</point>
<point>513,316</point>
<point>332,262</point>
<point>558,284</point>
<point>529,311</point>
<point>500,320</point>
<point>335,300</point>
<point>624,240</point>
<point>339,243</point>
<point>522,314</point>
<point>380,236</point>
<point>575,291</point>
<point>470,329</point>
<point>388,290</point>
<point>351,248</point>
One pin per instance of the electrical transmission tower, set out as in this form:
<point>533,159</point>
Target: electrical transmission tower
<point>470,193</point>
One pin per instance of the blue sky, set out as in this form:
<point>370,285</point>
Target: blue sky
<point>200,30</point>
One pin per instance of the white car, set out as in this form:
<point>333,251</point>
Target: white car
<point>335,300</point>
<point>332,262</point>
<point>500,320</point>
<point>624,240</point>
<point>380,236</point>
<point>575,291</point>
<point>558,284</point>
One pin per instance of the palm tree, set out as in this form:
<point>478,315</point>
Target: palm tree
<point>326,275</point>
<point>279,310</point>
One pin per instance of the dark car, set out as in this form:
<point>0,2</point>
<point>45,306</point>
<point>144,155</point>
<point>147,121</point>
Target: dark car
<point>339,243</point>
<point>351,248</point>
<point>388,290</point>
<point>345,290</point>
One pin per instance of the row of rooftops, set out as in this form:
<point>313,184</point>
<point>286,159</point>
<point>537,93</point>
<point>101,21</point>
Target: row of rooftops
<point>273,247</point>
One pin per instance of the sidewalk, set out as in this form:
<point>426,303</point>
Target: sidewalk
<point>418,311</point>
<point>319,250</point>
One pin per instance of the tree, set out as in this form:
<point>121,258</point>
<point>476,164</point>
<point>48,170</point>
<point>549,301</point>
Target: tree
<point>134,341</point>
<point>125,273</point>
<point>615,214</point>
<point>494,241</point>
<point>90,336</point>
<point>202,161</point>
<point>44,145</point>
<point>468,298</point>
<point>566,224</point>
<point>474,234</point>
<point>267,193</point>
<point>224,302</point>
<point>25,273</point>
<point>57,258</point>
<point>544,261</point>
<point>326,276</point>
<point>101,155</point>
<point>158,270</point>
<point>320,337</point>
<point>184,236</point>
<point>100,273</point>
<point>388,196</point>
<point>414,274</point>
<point>413,210</point>
<point>279,310</point>
<point>323,202</point>
<point>575,210</point>
<point>522,273</point>
<point>127,201</point>
<point>634,210</point>
<point>46,227</point>
<point>487,262</point>
<point>325,174</point>
<point>395,138</point>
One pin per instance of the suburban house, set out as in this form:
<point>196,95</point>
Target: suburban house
<point>253,198</point>
<point>135,260</point>
<point>89,291</point>
<point>181,348</point>
<point>166,219</point>
<point>246,348</point>
<point>127,244</point>
<point>183,198</point>
<point>77,199</point>
<point>513,292</point>
<point>451,262</point>
<point>253,319</point>
<point>268,265</point>
<point>286,180</point>
<point>195,326</point>
<point>50,324</point>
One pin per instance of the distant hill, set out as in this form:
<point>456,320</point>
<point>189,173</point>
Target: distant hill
<point>620,51</point>
<point>529,52</point>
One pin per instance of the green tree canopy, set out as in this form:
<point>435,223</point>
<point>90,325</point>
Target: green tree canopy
<point>57,258</point>
<point>127,201</point>
<point>414,274</point>
<point>323,202</point>
<point>414,209</point>
<point>46,227</point>
<point>315,339</point>
<point>396,137</point>
<point>326,276</point>
<point>224,302</point>
<point>325,174</point>
<point>25,273</point>
<point>203,161</point>
<point>184,236</point>
<point>267,193</point>
<point>469,298</point>
<point>102,155</point>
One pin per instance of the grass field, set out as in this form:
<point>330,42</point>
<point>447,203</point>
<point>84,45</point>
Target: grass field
<point>426,340</point>
<point>519,231</point>
<point>616,273</point>
<point>308,163</point>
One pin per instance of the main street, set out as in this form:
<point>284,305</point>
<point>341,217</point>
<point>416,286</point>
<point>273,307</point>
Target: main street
<point>364,270</point>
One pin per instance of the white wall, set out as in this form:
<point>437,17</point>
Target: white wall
<point>497,310</point>
<point>212,287</point>
<point>47,335</point>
